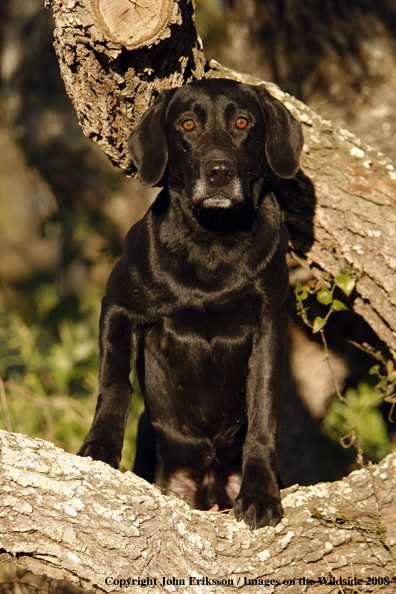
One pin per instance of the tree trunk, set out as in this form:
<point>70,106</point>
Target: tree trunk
<point>77,519</point>
<point>341,207</point>
<point>116,55</point>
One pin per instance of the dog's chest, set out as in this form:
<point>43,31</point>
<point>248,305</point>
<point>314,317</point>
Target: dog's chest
<point>196,365</point>
<point>212,332</point>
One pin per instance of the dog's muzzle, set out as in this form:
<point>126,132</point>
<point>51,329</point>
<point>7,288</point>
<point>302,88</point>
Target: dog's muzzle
<point>218,186</point>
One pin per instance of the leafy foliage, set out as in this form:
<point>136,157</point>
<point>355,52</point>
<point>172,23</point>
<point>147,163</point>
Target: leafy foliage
<point>325,296</point>
<point>359,410</point>
<point>355,417</point>
<point>50,374</point>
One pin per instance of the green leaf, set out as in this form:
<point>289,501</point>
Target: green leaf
<point>301,291</point>
<point>392,377</point>
<point>346,283</point>
<point>324,296</point>
<point>339,305</point>
<point>374,370</point>
<point>318,324</point>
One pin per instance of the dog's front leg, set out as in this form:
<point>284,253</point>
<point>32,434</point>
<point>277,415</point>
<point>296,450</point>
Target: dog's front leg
<point>118,352</point>
<point>258,502</point>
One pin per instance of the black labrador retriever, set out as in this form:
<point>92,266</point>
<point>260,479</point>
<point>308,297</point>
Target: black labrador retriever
<point>196,299</point>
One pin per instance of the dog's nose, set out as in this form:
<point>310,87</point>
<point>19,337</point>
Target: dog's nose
<point>219,173</point>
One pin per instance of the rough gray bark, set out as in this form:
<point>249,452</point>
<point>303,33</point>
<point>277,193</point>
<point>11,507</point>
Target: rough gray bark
<point>76,519</point>
<point>341,207</point>
<point>115,57</point>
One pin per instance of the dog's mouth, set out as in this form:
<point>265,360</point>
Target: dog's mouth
<point>217,198</point>
<point>217,202</point>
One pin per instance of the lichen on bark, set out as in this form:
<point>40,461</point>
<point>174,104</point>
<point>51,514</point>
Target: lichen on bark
<point>80,520</point>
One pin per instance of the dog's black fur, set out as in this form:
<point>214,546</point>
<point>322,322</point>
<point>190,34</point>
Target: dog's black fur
<point>196,301</point>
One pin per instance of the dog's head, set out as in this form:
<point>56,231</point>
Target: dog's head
<point>214,139</point>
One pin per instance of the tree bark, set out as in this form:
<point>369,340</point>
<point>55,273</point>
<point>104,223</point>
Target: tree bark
<point>77,519</point>
<point>116,55</point>
<point>341,207</point>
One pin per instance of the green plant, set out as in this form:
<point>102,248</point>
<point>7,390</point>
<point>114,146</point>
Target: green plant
<point>325,296</point>
<point>353,418</point>
<point>49,374</point>
<point>356,418</point>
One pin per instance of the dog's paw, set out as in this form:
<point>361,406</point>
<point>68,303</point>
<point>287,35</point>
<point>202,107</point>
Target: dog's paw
<point>101,449</point>
<point>258,510</point>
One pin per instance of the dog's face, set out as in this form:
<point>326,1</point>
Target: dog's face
<point>214,138</point>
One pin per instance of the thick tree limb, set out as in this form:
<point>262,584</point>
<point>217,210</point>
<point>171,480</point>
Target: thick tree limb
<point>73,518</point>
<point>340,207</point>
<point>116,55</point>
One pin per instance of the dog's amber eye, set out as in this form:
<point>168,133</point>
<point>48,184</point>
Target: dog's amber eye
<point>188,125</point>
<point>241,123</point>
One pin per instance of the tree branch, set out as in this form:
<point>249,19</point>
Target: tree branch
<point>77,519</point>
<point>114,64</point>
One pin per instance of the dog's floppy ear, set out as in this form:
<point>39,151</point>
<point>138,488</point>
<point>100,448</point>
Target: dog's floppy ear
<point>283,139</point>
<point>147,142</point>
